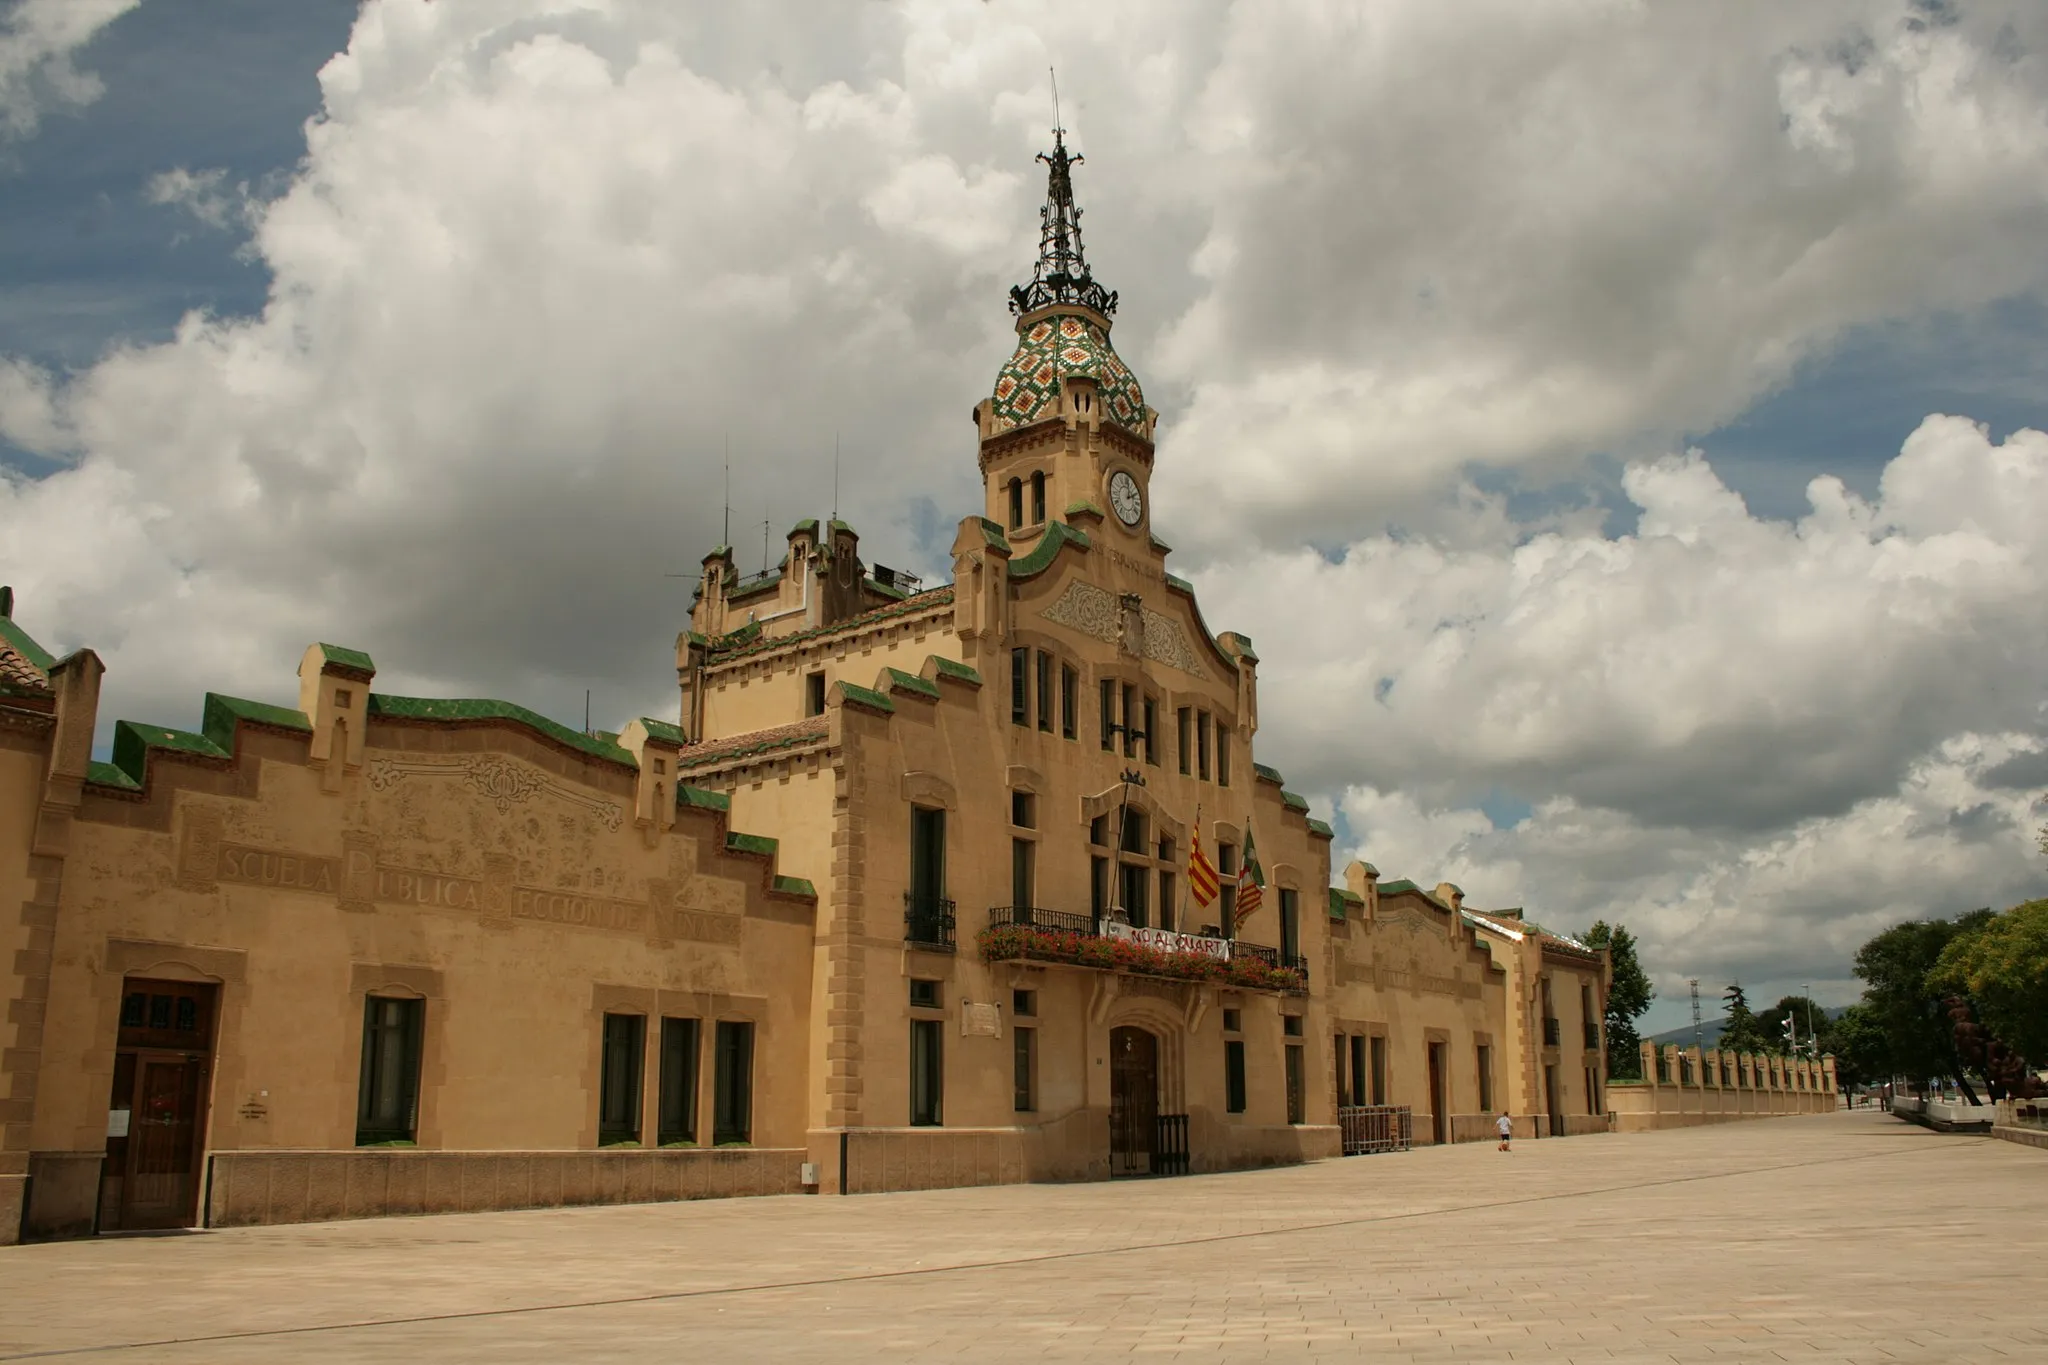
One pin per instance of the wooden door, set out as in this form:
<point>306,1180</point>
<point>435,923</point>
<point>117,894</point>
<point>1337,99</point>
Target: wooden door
<point>158,1105</point>
<point>1133,1100</point>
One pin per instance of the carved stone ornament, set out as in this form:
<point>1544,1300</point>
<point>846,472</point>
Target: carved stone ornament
<point>498,780</point>
<point>1096,613</point>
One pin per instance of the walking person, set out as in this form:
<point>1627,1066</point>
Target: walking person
<point>1505,1126</point>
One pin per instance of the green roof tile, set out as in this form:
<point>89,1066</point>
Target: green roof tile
<point>1321,830</point>
<point>759,844</point>
<point>1057,534</point>
<point>696,798</point>
<point>348,658</point>
<point>222,714</point>
<point>795,886</point>
<point>899,681</point>
<point>1266,774</point>
<point>807,525</point>
<point>464,709</point>
<point>133,742</point>
<point>11,631</point>
<point>992,535</point>
<point>1342,902</point>
<point>662,730</point>
<point>954,669</point>
<point>1075,509</point>
<point>1172,581</point>
<point>1294,802</point>
<point>888,590</point>
<point>107,775</point>
<point>864,696</point>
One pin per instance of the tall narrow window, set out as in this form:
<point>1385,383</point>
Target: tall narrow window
<point>1044,681</point>
<point>1070,686</point>
<point>1022,889</point>
<point>618,1101</point>
<point>1136,876</point>
<point>1166,883</point>
<point>927,1071</point>
<point>1020,687</point>
<point>1038,497</point>
<point>1024,1068</point>
<point>1182,721</point>
<point>1290,923</point>
<point>732,1105</point>
<point>1202,745</point>
<point>1485,1079</point>
<point>1130,720</point>
<point>1098,887</point>
<point>1359,1093</point>
<point>1295,1107</point>
<point>1380,1081</point>
<point>1152,732</point>
<point>1226,888</point>
<point>1222,754</point>
<point>1233,1075</point>
<point>1016,503</point>
<point>927,911</point>
<point>387,1093</point>
<point>1108,690</point>
<point>814,694</point>
<point>677,1120</point>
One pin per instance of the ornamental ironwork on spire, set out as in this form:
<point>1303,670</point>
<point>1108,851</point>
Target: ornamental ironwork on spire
<point>1061,275</point>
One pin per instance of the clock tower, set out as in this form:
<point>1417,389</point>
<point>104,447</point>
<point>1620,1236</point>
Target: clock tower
<point>1066,435</point>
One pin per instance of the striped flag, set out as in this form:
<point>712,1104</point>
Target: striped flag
<point>1202,879</point>
<point>1251,881</point>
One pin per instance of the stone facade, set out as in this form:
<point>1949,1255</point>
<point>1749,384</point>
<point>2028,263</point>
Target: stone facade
<point>902,897</point>
<point>1682,1087</point>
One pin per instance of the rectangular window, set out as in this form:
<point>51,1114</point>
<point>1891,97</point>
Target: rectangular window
<point>1233,1075</point>
<point>677,1120</point>
<point>1038,497</point>
<point>1045,698</point>
<point>927,858</point>
<point>1107,690</point>
<point>1130,720</point>
<point>1016,503</point>
<point>1136,877</point>
<point>924,994</point>
<point>1070,701</point>
<point>1152,732</point>
<point>1098,887</point>
<point>1295,1109</point>
<point>1024,1066</point>
<point>1226,888</point>
<point>1222,754</point>
<point>1202,745</point>
<point>732,1107</point>
<point>1359,1092</point>
<point>1022,884</point>
<point>927,1076</point>
<point>1380,1081</point>
<point>618,1101</point>
<point>1182,720</point>
<point>1020,687</point>
<point>1023,810</point>
<point>1290,1024</point>
<point>814,694</point>
<point>387,1094</point>
<point>1290,923</point>
<point>1485,1079</point>
<point>1165,899</point>
<point>1592,1093</point>
<point>1024,1004</point>
<point>1231,1022</point>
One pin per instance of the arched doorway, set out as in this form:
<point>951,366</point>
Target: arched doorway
<point>1133,1101</point>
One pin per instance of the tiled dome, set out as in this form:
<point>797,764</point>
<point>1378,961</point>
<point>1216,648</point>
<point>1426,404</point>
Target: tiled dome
<point>1027,389</point>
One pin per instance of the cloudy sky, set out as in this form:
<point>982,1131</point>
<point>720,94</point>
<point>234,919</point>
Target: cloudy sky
<point>1618,424</point>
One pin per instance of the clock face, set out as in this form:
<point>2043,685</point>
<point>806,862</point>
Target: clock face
<point>1125,499</point>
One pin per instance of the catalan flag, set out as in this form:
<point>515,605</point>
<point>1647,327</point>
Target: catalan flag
<point>1251,880</point>
<point>1202,879</point>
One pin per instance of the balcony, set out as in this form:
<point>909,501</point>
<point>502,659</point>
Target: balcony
<point>1592,1036</point>
<point>928,924</point>
<point>1022,933</point>
<point>1551,1031</point>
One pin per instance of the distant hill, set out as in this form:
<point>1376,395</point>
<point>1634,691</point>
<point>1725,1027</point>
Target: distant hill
<point>1710,1030</point>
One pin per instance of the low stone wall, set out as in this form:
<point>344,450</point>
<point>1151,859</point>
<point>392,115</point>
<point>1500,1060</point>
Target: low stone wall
<point>13,1189</point>
<point>1685,1087</point>
<point>886,1160</point>
<point>251,1188</point>
<point>2026,1137</point>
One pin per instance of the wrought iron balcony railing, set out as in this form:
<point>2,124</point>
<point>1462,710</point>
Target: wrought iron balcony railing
<point>1089,942</point>
<point>1035,917</point>
<point>928,923</point>
<point>1592,1036</point>
<point>1552,1031</point>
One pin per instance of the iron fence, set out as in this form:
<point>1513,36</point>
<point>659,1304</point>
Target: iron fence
<point>928,923</point>
<point>1369,1128</point>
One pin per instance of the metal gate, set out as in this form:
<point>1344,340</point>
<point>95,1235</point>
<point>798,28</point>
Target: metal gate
<point>1370,1128</point>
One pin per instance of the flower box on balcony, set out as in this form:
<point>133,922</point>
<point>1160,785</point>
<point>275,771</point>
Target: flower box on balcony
<point>1017,942</point>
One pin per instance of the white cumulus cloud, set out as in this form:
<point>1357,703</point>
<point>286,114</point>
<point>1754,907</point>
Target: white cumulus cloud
<point>37,41</point>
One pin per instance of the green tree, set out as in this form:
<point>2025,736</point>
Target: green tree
<point>1857,1040</point>
<point>2003,969</point>
<point>1629,994</point>
<point>1905,1006</point>
<point>1740,1032</point>
<point>1798,1008</point>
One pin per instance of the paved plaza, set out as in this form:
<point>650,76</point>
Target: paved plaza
<point>1836,1237</point>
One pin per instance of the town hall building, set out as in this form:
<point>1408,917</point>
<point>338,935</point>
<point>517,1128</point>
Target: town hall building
<point>918,886</point>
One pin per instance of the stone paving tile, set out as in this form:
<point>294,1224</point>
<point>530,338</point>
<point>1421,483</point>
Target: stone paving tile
<point>1845,1237</point>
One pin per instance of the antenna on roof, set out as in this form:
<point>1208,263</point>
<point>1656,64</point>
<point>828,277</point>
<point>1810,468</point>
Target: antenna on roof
<point>1054,73</point>
<point>586,713</point>
<point>725,537</point>
<point>764,546</point>
<point>835,476</point>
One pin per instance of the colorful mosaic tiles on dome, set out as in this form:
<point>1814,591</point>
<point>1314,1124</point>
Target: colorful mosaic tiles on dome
<point>1027,389</point>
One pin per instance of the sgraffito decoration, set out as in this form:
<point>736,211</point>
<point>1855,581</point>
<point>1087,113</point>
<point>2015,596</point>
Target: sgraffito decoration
<point>498,780</point>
